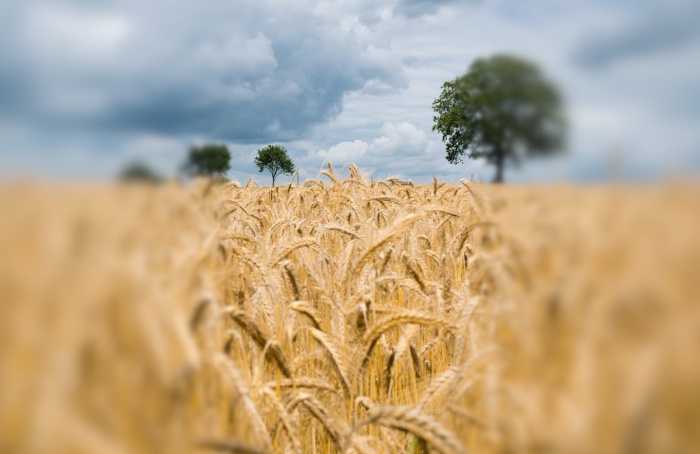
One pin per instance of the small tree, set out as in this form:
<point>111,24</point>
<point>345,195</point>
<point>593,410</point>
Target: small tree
<point>210,160</point>
<point>502,110</point>
<point>139,172</point>
<point>275,159</point>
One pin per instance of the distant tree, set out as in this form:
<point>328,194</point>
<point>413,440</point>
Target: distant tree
<point>502,110</point>
<point>209,160</point>
<point>139,171</point>
<point>275,159</point>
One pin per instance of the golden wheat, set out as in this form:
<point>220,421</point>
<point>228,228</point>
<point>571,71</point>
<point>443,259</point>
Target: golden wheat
<point>349,315</point>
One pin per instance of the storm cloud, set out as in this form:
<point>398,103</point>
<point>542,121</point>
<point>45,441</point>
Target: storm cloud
<point>238,71</point>
<point>657,28</point>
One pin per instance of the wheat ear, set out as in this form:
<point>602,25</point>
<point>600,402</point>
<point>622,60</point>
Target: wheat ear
<point>409,420</point>
<point>340,228</point>
<point>397,318</point>
<point>465,234</point>
<point>333,178</point>
<point>256,423</point>
<point>396,228</point>
<point>306,309</point>
<point>340,367</point>
<point>273,350</point>
<point>467,415</point>
<point>321,413</point>
<point>302,382</point>
<point>437,384</point>
<point>292,247</point>
<point>284,416</point>
<point>230,446</point>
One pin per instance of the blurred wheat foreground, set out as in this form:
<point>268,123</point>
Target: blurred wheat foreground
<point>346,315</point>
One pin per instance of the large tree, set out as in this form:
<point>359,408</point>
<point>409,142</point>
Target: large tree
<point>210,160</point>
<point>501,110</point>
<point>275,159</point>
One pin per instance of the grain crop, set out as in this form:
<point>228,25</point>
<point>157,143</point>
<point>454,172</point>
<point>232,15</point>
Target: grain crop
<point>349,315</point>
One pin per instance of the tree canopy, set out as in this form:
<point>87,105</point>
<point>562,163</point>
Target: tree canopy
<point>139,172</point>
<point>208,160</point>
<point>275,159</point>
<point>501,110</point>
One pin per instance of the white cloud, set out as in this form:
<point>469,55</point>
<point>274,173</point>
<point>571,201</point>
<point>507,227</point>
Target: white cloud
<point>72,35</point>
<point>345,152</point>
<point>396,139</point>
<point>399,149</point>
<point>401,137</point>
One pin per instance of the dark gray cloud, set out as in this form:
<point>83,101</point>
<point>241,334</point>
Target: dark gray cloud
<point>244,72</point>
<point>661,27</point>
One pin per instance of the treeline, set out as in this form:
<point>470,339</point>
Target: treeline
<point>214,161</point>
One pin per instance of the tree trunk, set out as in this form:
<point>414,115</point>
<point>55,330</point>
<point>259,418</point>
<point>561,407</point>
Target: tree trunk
<point>273,180</point>
<point>498,178</point>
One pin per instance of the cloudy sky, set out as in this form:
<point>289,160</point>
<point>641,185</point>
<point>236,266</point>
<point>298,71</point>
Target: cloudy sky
<point>89,85</point>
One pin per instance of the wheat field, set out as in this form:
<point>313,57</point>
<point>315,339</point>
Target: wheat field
<point>349,315</point>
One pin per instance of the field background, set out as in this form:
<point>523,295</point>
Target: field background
<point>349,315</point>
